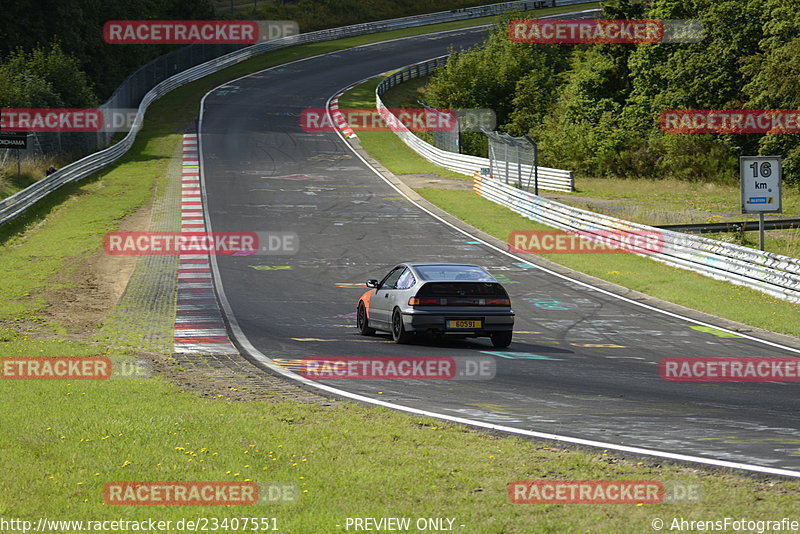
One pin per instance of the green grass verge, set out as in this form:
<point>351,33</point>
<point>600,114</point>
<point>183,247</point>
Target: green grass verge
<point>347,461</point>
<point>64,441</point>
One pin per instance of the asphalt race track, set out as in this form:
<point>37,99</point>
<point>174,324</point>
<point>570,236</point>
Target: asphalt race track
<point>583,363</point>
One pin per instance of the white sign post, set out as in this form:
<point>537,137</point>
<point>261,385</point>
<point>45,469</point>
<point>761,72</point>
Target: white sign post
<point>761,187</point>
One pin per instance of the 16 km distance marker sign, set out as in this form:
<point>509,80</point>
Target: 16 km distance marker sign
<point>761,184</point>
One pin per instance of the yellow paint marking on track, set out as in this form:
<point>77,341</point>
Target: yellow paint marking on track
<point>271,267</point>
<point>349,284</point>
<point>292,365</point>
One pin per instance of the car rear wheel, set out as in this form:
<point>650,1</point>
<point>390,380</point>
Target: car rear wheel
<point>399,334</point>
<point>501,339</point>
<point>361,321</point>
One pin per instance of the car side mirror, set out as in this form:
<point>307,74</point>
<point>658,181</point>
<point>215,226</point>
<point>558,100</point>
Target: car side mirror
<point>372,283</point>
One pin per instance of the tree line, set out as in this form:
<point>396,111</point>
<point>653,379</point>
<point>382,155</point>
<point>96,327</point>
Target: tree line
<point>52,52</point>
<point>594,108</point>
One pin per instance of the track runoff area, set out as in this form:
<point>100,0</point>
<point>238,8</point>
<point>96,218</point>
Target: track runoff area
<point>584,365</point>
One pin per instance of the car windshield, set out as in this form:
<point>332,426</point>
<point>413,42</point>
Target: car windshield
<point>453,272</point>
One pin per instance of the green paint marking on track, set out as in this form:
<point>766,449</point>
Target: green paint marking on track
<point>713,331</point>
<point>520,355</point>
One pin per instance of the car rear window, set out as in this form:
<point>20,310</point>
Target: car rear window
<point>462,289</point>
<point>453,272</point>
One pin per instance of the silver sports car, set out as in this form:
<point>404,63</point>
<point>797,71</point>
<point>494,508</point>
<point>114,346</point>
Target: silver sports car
<point>437,298</point>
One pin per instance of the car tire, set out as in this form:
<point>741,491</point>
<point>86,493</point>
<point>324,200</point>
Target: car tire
<point>501,340</point>
<point>362,322</point>
<point>399,334</point>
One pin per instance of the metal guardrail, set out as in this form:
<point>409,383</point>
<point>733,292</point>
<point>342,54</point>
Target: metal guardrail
<point>551,179</point>
<point>773,274</point>
<point>13,206</point>
<point>732,226</point>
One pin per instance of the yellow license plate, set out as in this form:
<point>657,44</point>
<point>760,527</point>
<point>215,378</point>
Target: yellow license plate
<point>464,324</point>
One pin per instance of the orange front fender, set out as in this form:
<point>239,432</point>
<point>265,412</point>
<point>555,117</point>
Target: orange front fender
<point>365,298</point>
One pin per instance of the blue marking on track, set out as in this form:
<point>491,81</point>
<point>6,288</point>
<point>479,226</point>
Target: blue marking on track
<point>525,265</point>
<point>520,355</point>
<point>548,304</point>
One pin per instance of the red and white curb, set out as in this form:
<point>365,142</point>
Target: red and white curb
<point>199,327</point>
<point>338,118</point>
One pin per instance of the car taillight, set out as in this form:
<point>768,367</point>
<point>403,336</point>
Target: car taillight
<point>498,302</point>
<point>426,301</point>
<point>458,301</point>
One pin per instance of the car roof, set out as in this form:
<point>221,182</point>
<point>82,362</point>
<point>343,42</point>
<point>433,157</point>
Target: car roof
<point>439,263</point>
<point>415,265</point>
